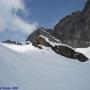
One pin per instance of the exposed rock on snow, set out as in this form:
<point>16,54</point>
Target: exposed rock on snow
<point>69,53</point>
<point>12,42</point>
<point>40,41</point>
<point>43,32</point>
<point>61,49</point>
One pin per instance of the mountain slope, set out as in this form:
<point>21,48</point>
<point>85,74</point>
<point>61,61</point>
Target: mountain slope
<point>41,37</point>
<point>74,29</point>
<point>35,69</point>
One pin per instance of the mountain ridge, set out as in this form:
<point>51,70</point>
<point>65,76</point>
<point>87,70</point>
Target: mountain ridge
<point>74,29</point>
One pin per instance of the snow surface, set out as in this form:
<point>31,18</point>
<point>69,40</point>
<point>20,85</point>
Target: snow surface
<point>30,68</point>
<point>85,51</point>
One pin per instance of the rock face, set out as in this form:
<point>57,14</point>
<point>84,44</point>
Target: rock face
<point>40,41</point>
<point>87,7</point>
<point>61,49</point>
<point>41,31</point>
<point>69,53</point>
<point>74,30</point>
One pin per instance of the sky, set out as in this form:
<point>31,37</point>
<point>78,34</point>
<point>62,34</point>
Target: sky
<point>19,18</point>
<point>49,12</point>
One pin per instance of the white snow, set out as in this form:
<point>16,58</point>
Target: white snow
<point>30,68</point>
<point>85,51</point>
<point>54,43</point>
<point>21,48</point>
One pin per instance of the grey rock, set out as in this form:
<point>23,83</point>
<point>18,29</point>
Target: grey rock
<point>69,53</point>
<point>43,32</point>
<point>40,41</point>
<point>12,42</point>
<point>63,50</point>
<point>74,29</point>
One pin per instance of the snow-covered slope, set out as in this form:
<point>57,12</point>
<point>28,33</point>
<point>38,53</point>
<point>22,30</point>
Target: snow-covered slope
<point>29,68</point>
<point>85,51</point>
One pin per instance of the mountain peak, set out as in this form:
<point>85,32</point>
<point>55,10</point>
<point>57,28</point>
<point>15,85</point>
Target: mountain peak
<point>87,6</point>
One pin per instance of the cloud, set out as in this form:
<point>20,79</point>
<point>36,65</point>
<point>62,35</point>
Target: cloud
<point>25,27</point>
<point>9,19</point>
<point>9,4</point>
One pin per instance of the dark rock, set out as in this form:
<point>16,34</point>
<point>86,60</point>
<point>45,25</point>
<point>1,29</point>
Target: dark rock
<point>12,42</point>
<point>61,49</point>
<point>87,7</point>
<point>40,41</point>
<point>43,32</point>
<point>82,57</point>
<point>69,53</point>
<point>64,50</point>
<point>74,30</point>
<point>27,42</point>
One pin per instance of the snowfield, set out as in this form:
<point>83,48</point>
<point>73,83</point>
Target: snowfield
<point>30,68</point>
<point>85,51</point>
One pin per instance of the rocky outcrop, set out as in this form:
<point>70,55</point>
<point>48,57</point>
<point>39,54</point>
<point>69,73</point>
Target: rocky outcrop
<point>40,41</point>
<point>43,32</point>
<point>87,7</point>
<point>74,30</point>
<point>69,53</point>
<point>61,49</point>
<point>12,42</point>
